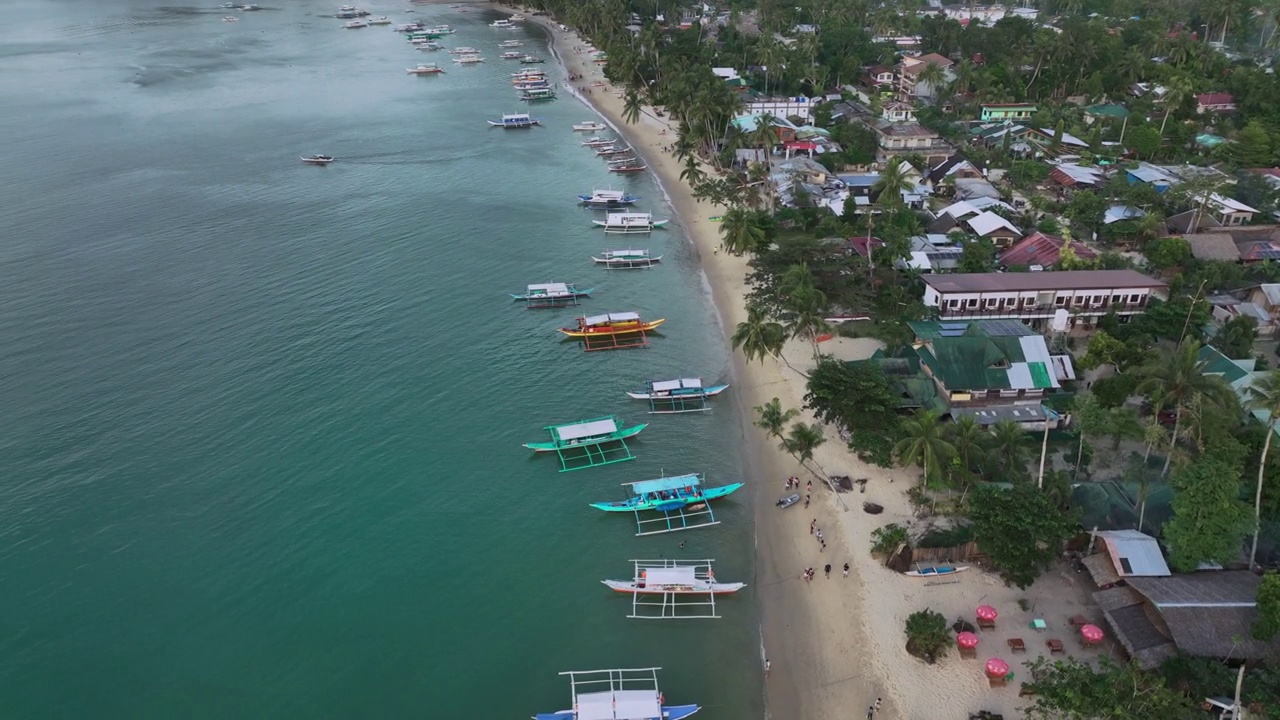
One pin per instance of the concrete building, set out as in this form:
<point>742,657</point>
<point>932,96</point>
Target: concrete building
<point>1056,300</point>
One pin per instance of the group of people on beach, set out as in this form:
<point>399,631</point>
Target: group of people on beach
<point>794,482</point>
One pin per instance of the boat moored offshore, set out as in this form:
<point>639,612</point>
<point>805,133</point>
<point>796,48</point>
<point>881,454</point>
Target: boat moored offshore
<point>629,223</point>
<point>592,126</point>
<point>425,69</point>
<point>515,121</point>
<point>630,694</point>
<point>607,199</point>
<point>627,259</point>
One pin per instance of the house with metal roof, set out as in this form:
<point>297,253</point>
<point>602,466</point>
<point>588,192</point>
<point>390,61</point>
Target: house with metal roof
<point>1042,251</point>
<point>988,362</point>
<point>1123,554</point>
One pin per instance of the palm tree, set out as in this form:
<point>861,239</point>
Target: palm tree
<point>970,442</point>
<point>740,231</point>
<point>631,107</point>
<point>1176,93</point>
<point>931,77</point>
<point>1264,397</point>
<point>924,444</point>
<point>805,317</point>
<point>802,441</point>
<point>692,172</point>
<point>1174,380</point>
<point>759,336</point>
<point>1010,443</point>
<point>773,419</point>
<point>892,183</point>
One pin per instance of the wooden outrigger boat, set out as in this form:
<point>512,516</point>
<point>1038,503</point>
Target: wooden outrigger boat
<point>537,94</point>
<point>627,259</point>
<point>318,159</point>
<point>677,396</point>
<point>629,168</point>
<point>590,126</point>
<point>612,331</point>
<point>551,295</point>
<point>610,150</point>
<point>625,222</point>
<point>589,443</point>
<point>605,199</point>
<point>515,121</point>
<point>681,502</point>
<point>630,694</point>
<point>688,589</point>
<point>598,142</point>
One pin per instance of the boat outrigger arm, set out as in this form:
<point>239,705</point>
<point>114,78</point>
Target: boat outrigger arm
<point>681,503</point>
<point>622,694</point>
<point>687,588</point>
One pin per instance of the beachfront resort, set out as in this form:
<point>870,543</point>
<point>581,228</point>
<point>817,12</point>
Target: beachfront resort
<point>1003,288</point>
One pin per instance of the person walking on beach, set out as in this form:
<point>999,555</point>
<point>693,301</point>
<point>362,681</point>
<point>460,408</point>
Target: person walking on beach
<point>827,570</point>
<point>808,487</point>
<point>824,545</point>
<point>766,667</point>
<point>846,569</point>
<point>806,499</point>
<point>819,534</point>
<point>813,525</point>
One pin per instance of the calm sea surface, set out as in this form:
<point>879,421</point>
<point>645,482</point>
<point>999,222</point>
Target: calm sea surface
<point>262,421</point>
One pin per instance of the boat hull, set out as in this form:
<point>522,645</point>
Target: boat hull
<point>638,503</point>
<point>628,264</point>
<point>625,328</point>
<point>575,294</point>
<point>699,588</point>
<point>669,712</point>
<point>623,434</point>
<point>936,572</point>
<point>705,393</point>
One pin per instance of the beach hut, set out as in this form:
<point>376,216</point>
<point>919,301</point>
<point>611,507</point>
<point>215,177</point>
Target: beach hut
<point>968,644</point>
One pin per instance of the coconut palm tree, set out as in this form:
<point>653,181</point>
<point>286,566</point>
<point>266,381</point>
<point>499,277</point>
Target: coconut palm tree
<point>924,444</point>
<point>804,316</point>
<point>892,183</point>
<point>1009,446</point>
<point>773,419</point>
<point>1175,379</point>
<point>1264,397</point>
<point>692,172</point>
<point>802,440</point>
<point>759,336</point>
<point>970,442</point>
<point>932,77</point>
<point>740,231</point>
<point>631,107</point>
<point>1177,91</point>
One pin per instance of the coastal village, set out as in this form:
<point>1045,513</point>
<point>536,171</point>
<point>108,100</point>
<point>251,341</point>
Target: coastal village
<point>1020,260</point>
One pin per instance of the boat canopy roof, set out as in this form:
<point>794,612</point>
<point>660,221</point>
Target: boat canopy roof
<point>677,384</point>
<point>611,317</point>
<point>609,193</point>
<point>627,253</point>
<point>619,705</point>
<point>578,431</point>
<point>671,483</point>
<point>679,575</point>
<point>549,288</point>
<point>628,217</point>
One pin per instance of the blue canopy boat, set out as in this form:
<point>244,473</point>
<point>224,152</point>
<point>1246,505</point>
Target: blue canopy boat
<point>666,494</point>
<point>677,396</point>
<point>618,695</point>
<point>608,199</point>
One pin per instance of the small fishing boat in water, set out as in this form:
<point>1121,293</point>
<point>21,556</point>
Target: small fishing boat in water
<point>531,60</point>
<point>515,121</point>
<point>607,199</point>
<point>384,20</point>
<point>318,159</point>
<point>629,694</point>
<point>551,295</point>
<point>511,55</point>
<point>468,59</point>
<point>677,396</point>
<point>425,69</point>
<point>510,43</point>
<point>356,24</point>
<point>627,259</point>
<point>592,126</point>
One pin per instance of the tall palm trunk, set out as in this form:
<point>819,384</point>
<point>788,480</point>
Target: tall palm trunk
<point>1257,497</point>
<point>1173,442</point>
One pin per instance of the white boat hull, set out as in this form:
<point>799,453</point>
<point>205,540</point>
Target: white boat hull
<point>700,587</point>
<point>711,392</point>
<point>933,573</point>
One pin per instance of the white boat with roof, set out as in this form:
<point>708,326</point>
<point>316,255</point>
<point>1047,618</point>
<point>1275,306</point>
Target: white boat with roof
<point>468,59</point>
<point>592,126</point>
<point>597,142</point>
<point>527,72</point>
<point>552,295</point>
<point>627,259</point>
<point>516,18</point>
<point>515,121</point>
<point>607,199</point>
<point>355,24</point>
<point>464,50</point>
<point>428,46</point>
<point>677,396</point>
<point>626,222</point>
<point>425,69</point>
<point>679,583</point>
<point>501,24</point>
<point>510,43</point>
<point>625,694</point>
<point>511,55</point>
<point>384,20</point>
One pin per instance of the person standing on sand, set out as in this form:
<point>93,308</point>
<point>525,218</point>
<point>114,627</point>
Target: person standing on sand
<point>813,525</point>
<point>827,570</point>
<point>846,569</point>
<point>766,667</point>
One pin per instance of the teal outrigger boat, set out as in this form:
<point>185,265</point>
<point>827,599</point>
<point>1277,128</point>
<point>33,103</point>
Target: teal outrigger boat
<point>681,502</point>
<point>589,443</point>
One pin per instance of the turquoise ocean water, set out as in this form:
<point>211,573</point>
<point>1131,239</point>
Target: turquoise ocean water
<point>262,421</point>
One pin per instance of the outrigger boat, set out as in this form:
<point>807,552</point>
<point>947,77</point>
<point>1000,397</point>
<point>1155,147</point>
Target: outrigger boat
<point>596,142</point>
<point>630,694</point>
<point>677,396</point>
<point>610,150</point>
<point>501,24</point>
<point>468,59</point>
<point>592,126</point>
<point>537,94</point>
<point>550,295</point>
<point>515,121</point>
<point>928,571</point>
<point>356,24</point>
<point>510,43</point>
<point>589,443</point>
<point>682,503</point>
<point>464,50</point>
<point>510,55</point>
<point>612,331</point>
<point>425,69</point>
<point>531,60</point>
<point>627,259</point>
<point>630,168</point>
<point>318,159</point>
<point>429,46</point>
<point>625,223</point>
<point>680,583</point>
<point>384,20</point>
<point>607,199</point>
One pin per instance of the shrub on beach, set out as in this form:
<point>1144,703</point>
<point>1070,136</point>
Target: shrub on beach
<point>928,636</point>
<point>887,539</point>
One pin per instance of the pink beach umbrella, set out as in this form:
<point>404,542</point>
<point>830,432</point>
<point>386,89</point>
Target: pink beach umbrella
<point>997,668</point>
<point>967,640</point>
<point>986,612</point>
<point>1091,633</point>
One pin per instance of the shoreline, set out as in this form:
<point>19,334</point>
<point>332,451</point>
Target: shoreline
<point>816,646</point>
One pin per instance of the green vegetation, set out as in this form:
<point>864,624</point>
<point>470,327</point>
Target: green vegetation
<point>1020,529</point>
<point>928,636</point>
<point>1073,690</point>
<point>1267,625</point>
<point>887,539</point>
<point>1209,519</point>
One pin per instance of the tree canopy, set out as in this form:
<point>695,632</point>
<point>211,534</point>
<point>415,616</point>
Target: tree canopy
<point>1020,529</point>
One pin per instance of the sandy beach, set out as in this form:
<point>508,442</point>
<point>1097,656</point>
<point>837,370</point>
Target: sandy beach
<point>835,644</point>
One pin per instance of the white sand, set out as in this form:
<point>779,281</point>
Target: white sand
<point>836,644</point>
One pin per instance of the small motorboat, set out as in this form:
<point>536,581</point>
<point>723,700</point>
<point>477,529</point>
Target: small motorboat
<point>425,69</point>
<point>468,59</point>
<point>788,501</point>
<point>531,60</point>
<point>592,126</point>
<point>510,43</point>
<point>230,19</point>
<point>318,159</point>
<point>511,55</point>
<point>249,8</point>
<point>356,24</point>
<point>384,20</point>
